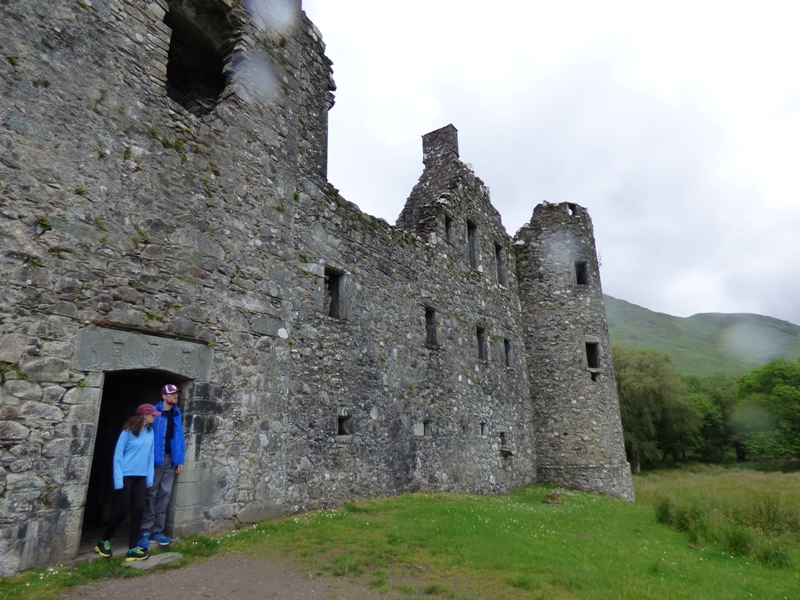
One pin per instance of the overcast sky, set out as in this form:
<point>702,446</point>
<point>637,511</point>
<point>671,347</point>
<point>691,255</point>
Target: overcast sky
<point>676,124</point>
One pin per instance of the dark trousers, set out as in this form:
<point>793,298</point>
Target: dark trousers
<point>130,499</point>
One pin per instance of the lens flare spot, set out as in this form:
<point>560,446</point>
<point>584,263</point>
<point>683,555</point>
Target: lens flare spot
<point>752,342</point>
<point>273,16</point>
<point>255,79</point>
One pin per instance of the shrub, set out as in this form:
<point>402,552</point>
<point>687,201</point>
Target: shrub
<point>769,513</point>
<point>751,530</point>
<point>665,510</point>
<point>738,541</point>
<point>773,553</point>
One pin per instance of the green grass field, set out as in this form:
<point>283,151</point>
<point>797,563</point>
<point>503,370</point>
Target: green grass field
<point>469,547</point>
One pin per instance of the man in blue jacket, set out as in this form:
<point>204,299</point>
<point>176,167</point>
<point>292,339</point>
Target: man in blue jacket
<point>170,450</point>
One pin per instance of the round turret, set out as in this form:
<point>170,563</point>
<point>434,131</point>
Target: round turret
<point>577,424</point>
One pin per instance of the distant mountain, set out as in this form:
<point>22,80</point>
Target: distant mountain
<point>705,343</point>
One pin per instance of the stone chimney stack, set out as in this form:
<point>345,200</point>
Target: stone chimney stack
<point>440,146</point>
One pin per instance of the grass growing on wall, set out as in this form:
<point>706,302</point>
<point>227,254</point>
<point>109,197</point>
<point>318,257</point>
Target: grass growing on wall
<point>470,547</point>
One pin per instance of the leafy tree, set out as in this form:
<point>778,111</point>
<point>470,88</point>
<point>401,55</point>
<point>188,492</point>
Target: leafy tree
<point>715,398</point>
<point>658,415</point>
<point>768,414</point>
<point>681,421</point>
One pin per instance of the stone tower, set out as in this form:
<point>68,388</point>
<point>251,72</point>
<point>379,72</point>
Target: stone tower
<point>573,389</point>
<point>165,216</point>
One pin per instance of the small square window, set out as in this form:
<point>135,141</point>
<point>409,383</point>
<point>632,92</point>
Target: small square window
<point>344,423</point>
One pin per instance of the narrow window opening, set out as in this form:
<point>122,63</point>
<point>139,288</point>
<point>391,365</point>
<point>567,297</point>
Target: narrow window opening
<point>507,353</point>
<point>201,40</point>
<point>431,326</point>
<point>593,354</point>
<point>448,229</point>
<point>502,269</point>
<point>472,244</point>
<point>484,429</point>
<point>572,209</point>
<point>333,290</point>
<point>480,334</point>
<point>582,272</point>
<point>344,423</point>
<point>505,450</point>
<point>426,428</point>
<point>344,426</point>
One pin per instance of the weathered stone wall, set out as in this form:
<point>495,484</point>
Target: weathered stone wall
<point>153,231</point>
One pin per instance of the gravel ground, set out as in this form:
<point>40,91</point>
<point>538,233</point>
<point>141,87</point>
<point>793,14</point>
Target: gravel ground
<point>230,576</point>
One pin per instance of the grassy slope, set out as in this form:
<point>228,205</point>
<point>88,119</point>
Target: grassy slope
<point>703,344</point>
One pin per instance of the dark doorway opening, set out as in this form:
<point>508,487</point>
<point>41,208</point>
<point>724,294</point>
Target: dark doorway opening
<point>123,391</point>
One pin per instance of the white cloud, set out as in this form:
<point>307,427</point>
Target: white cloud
<point>676,124</point>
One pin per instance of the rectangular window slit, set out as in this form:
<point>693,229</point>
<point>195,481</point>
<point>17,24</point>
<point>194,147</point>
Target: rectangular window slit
<point>333,291</point>
<point>582,272</point>
<point>502,269</point>
<point>448,229</point>
<point>593,354</point>
<point>507,350</point>
<point>472,244</point>
<point>480,334</point>
<point>431,326</point>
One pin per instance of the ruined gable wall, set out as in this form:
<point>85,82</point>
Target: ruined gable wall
<point>416,410</point>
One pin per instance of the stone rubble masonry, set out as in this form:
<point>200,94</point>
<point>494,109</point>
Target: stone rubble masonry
<point>323,354</point>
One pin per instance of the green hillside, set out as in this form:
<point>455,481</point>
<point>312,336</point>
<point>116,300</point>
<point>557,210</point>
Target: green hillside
<point>706,343</point>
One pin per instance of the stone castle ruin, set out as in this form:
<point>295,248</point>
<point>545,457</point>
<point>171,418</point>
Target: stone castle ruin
<point>166,217</point>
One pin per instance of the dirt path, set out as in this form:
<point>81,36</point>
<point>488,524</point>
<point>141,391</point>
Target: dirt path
<point>230,576</point>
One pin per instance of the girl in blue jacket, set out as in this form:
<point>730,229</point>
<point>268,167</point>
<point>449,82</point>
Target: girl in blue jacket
<point>133,474</point>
